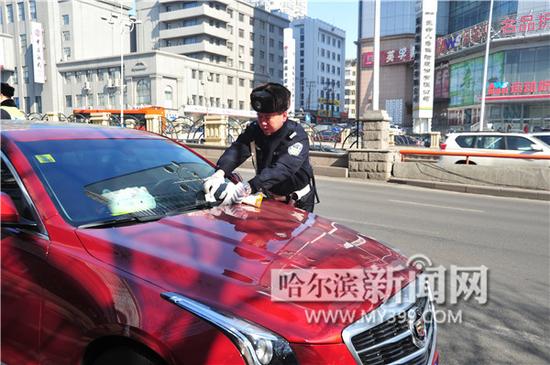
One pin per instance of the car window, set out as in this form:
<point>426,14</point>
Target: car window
<point>490,142</point>
<point>466,141</point>
<point>544,138</point>
<point>95,180</point>
<point>11,187</point>
<point>518,143</point>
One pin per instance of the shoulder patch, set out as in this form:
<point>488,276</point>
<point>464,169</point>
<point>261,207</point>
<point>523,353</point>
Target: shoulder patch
<point>295,149</point>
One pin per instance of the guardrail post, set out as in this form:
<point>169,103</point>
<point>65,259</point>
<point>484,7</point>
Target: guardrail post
<point>100,118</point>
<point>153,123</point>
<point>435,137</point>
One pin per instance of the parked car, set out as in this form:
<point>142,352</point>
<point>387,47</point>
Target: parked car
<point>112,255</point>
<point>494,143</point>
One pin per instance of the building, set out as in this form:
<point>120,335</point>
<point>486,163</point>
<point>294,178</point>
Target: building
<point>290,66</point>
<point>293,8</point>
<point>517,91</point>
<point>350,88</point>
<point>37,36</point>
<point>320,57</point>
<point>242,45</point>
<point>397,39</point>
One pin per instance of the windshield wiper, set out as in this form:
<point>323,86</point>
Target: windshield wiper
<point>124,220</point>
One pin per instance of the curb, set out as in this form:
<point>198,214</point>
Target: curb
<point>477,189</point>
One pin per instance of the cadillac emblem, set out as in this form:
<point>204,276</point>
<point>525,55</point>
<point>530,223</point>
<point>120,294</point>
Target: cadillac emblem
<point>417,326</point>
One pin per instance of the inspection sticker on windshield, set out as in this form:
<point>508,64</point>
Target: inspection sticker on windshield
<point>295,149</point>
<point>47,158</point>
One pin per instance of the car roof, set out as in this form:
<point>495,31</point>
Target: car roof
<point>28,131</point>
<point>482,133</point>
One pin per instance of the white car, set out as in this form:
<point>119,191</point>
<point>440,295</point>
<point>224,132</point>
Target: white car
<point>543,136</point>
<point>495,143</point>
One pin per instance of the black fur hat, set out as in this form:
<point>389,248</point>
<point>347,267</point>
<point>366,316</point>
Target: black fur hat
<point>270,98</point>
<point>7,90</point>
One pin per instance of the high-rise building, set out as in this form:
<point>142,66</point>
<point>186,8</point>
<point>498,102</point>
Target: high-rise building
<point>350,88</point>
<point>320,57</point>
<point>38,36</point>
<point>243,40</point>
<point>293,8</point>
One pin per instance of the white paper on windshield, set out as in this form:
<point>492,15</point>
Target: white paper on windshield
<point>129,200</point>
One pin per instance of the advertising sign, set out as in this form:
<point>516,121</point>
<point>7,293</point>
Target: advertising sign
<point>425,61</point>
<point>38,61</point>
<point>442,78</point>
<point>467,78</point>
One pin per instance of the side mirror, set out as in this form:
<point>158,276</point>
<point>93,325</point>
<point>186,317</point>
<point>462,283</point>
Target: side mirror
<point>8,212</point>
<point>535,147</point>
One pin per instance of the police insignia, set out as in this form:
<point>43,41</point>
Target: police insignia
<point>295,149</point>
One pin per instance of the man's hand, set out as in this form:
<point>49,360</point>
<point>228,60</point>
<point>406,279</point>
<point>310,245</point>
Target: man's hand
<point>212,184</point>
<point>234,193</point>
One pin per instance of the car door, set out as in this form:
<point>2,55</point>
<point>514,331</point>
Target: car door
<point>23,255</point>
<point>523,146</point>
<point>490,143</point>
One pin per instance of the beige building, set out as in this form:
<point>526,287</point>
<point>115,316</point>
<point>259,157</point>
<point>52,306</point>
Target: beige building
<point>396,74</point>
<point>350,88</point>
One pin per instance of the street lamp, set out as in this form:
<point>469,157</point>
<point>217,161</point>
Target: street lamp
<point>124,24</point>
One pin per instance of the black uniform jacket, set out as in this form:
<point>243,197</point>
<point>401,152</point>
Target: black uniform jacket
<point>282,158</point>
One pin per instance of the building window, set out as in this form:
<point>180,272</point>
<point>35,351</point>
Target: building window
<point>241,17</point>
<point>21,11</point>
<point>101,99</point>
<point>9,13</point>
<point>168,97</point>
<point>66,35</point>
<point>26,74</point>
<point>230,62</point>
<point>241,51</point>
<point>229,80</point>
<point>65,19</point>
<point>23,42</point>
<point>271,42</point>
<point>143,91</point>
<point>241,82</point>
<point>241,105</point>
<point>271,28</point>
<point>252,84</point>
<point>230,29</point>
<point>27,104</point>
<point>38,102</point>
<point>241,65</point>
<point>230,46</point>
<point>67,53</point>
<point>68,101</point>
<point>230,103</point>
<point>32,8</point>
<point>271,57</point>
<point>241,33</point>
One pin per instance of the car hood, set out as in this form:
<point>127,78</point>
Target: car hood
<point>223,257</point>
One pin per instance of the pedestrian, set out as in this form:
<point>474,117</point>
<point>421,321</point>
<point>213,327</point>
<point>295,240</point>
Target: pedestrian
<point>280,152</point>
<point>8,108</point>
<point>526,128</point>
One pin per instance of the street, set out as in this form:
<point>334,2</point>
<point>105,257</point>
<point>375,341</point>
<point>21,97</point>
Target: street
<point>510,236</point>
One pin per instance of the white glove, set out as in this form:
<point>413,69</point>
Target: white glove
<point>212,184</point>
<point>235,193</point>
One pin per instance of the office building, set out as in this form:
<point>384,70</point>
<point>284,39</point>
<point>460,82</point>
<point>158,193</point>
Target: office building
<point>320,57</point>
<point>37,36</point>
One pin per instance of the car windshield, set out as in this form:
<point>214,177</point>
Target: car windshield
<point>108,180</point>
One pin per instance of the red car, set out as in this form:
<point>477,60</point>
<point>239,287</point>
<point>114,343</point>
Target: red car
<point>111,255</point>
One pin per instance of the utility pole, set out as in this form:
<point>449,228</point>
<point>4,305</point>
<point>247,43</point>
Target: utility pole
<point>486,66</point>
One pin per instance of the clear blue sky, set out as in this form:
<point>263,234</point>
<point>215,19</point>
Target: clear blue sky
<point>342,13</point>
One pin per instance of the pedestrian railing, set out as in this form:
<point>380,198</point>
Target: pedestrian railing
<point>467,155</point>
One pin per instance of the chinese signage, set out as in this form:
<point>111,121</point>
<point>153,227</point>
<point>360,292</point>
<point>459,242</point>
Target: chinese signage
<point>518,88</point>
<point>325,101</point>
<point>425,61</point>
<point>522,25</point>
<point>38,61</point>
<point>389,57</point>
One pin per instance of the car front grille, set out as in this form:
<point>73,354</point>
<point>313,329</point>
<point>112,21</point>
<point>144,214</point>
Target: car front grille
<point>391,340</point>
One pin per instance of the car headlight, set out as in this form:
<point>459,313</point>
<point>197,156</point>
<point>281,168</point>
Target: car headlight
<point>258,345</point>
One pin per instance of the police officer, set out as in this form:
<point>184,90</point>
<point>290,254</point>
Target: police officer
<point>8,108</point>
<point>281,149</point>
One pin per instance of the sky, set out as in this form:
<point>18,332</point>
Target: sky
<point>342,13</point>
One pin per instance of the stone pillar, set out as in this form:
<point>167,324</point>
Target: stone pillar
<point>53,117</point>
<point>435,137</point>
<point>376,129</point>
<point>153,123</point>
<point>375,160</point>
<point>215,129</point>
<point>100,118</point>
